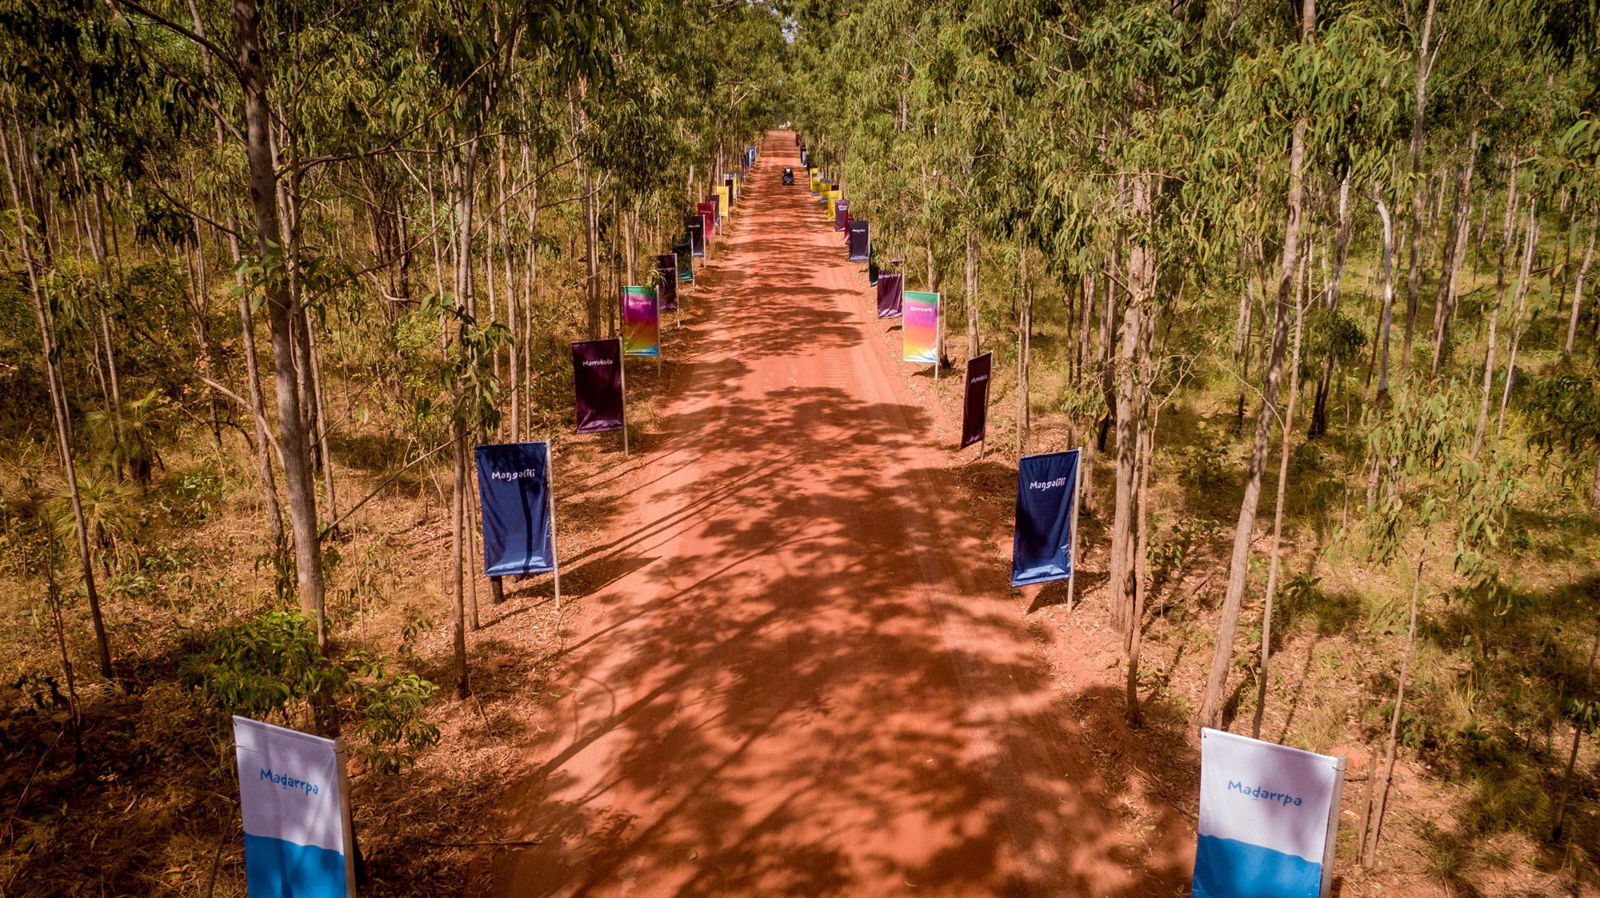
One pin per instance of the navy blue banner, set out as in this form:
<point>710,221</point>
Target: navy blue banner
<point>514,491</point>
<point>1046,488</point>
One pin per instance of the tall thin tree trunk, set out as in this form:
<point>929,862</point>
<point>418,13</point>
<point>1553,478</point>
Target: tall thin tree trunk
<point>1380,798</point>
<point>1577,293</point>
<point>1277,521</point>
<point>1455,251</point>
<point>1387,316</point>
<point>1565,792</point>
<point>1426,54</point>
<point>458,479</point>
<point>58,405</point>
<point>1216,682</point>
<point>1518,305</point>
<point>972,292</point>
<point>281,312</point>
<point>1494,328</point>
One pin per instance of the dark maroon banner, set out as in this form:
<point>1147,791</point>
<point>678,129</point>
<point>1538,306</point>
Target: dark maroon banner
<point>841,214</point>
<point>708,214</point>
<point>891,291</point>
<point>667,290</point>
<point>858,243</point>
<point>597,377</point>
<point>975,408</point>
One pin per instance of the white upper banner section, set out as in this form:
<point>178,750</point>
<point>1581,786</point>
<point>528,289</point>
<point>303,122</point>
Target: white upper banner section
<point>1265,794</point>
<point>289,785</point>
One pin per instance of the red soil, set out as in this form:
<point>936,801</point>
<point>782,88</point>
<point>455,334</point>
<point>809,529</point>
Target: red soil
<point>804,673</point>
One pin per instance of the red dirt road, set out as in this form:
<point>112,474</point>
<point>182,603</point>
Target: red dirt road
<point>806,675</point>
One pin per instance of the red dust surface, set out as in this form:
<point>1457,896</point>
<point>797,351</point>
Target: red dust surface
<point>804,673</point>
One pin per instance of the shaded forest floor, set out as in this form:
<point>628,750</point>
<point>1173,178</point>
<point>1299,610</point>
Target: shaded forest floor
<point>151,807</point>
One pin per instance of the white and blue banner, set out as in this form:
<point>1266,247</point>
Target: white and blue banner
<point>1267,819</point>
<point>518,517</point>
<point>1047,490</point>
<point>296,821</point>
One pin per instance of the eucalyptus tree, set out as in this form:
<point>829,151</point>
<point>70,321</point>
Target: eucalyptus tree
<point>1429,479</point>
<point>1303,81</point>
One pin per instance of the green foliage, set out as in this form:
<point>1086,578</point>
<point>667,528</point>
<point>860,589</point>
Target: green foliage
<point>1564,413</point>
<point>1423,474</point>
<point>269,667</point>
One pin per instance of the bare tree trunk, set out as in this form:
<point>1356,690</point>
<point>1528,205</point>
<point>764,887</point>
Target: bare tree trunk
<point>1387,317</point>
<point>58,406</point>
<point>1565,791</point>
<point>1518,326</point>
<point>1494,326</point>
<point>1121,589</point>
<point>1335,289</point>
<point>1426,54</point>
<point>281,312</point>
<point>1024,351</point>
<point>972,293</point>
<point>1277,521</point>
<point>1454,251</point>
<point>1380,797</point>
<point>247,335</point>
<point>1577,293</point>
<point>458,451</point>
<point>1145,442</point>
<point>1212,705</point>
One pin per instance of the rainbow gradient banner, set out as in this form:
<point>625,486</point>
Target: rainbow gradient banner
<point>641,322</point>
<point>920,327</point>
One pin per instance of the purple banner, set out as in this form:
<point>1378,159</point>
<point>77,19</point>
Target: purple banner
<point>597,377</point>
<point>975,406</point>
<point>859,241</point>
<point>891,291</point>
<point>841,214</point>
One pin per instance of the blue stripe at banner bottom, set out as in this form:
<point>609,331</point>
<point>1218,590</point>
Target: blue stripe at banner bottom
<point>1228,868</point>
<point>275,868</point>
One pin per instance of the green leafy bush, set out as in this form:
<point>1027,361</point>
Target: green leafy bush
<point>269,667</point>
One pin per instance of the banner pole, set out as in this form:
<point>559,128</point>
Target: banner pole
<point>347,823</point>
<point>1072,546</point>
<point>1332,841</point>
<point>550,495</point>
<point>622,366</point>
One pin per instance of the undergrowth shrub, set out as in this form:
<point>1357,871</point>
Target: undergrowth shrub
<point>269,667</point>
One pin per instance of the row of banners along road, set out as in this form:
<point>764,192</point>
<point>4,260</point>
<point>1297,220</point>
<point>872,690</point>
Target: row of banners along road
<point>1269,813</point>
<point>293,790</point>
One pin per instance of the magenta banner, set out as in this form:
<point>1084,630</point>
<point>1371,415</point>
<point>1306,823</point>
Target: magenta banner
<point>597,378</point>
<point>975,406</point>
<point>841,214</point>
<point>708,215</point>
<point>891,292</point>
